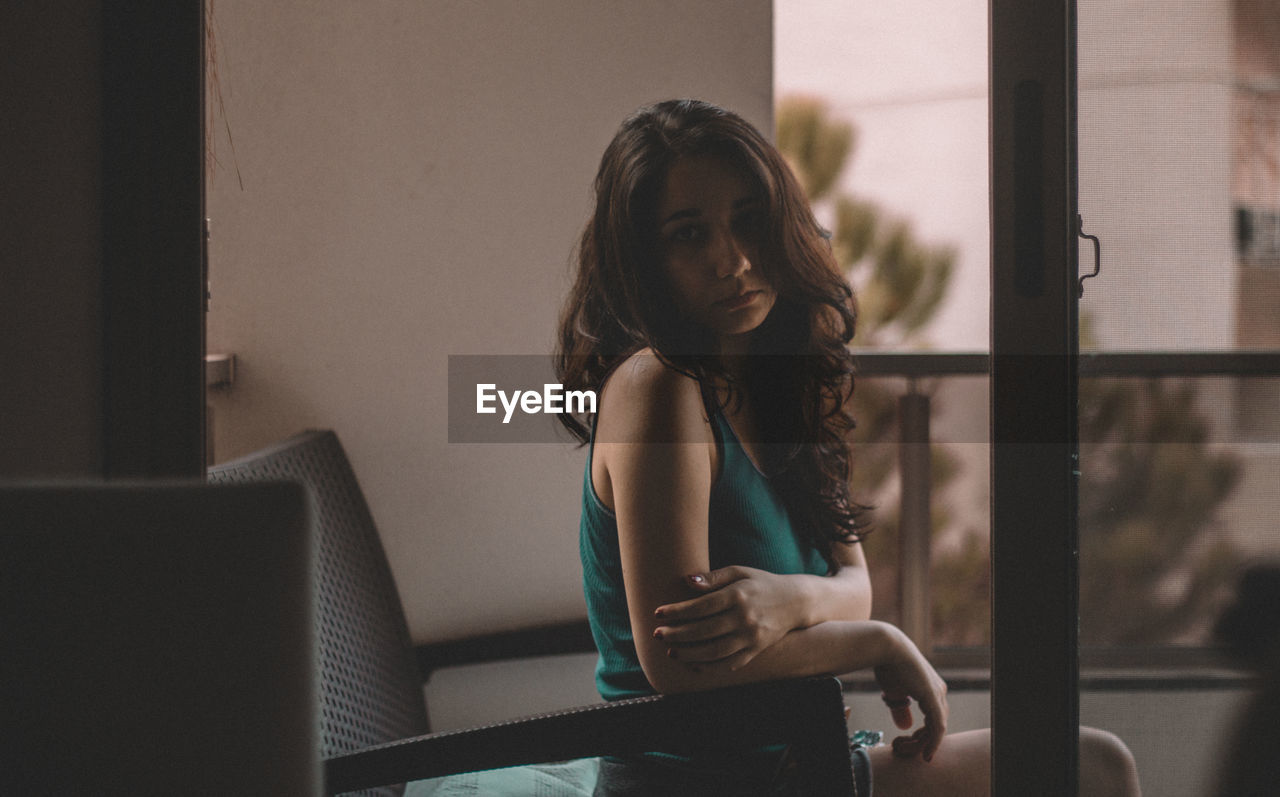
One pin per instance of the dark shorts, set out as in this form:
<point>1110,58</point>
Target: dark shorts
<point>648,776</point>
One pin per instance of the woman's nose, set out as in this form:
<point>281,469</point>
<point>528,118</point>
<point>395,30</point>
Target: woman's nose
<point>732,259</point>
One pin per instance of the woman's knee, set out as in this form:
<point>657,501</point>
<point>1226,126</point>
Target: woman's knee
<point>961,768</point>
<point>1106,765</point>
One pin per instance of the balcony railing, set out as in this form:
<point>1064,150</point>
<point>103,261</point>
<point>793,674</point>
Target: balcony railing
<point>914,412</point>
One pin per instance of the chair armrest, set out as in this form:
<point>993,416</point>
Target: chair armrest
<point>806,713</point>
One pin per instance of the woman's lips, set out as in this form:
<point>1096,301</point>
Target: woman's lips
<point>739,301</point>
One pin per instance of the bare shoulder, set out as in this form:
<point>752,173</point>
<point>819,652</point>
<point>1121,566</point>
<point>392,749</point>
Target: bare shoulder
<point>647,401</point>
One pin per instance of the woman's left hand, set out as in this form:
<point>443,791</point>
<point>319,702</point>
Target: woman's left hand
<point>741,612</point>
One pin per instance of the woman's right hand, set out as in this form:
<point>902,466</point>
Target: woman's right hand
<point>908,675</point>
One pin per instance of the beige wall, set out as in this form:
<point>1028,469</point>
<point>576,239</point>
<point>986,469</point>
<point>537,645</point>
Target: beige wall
<point>415,175</point>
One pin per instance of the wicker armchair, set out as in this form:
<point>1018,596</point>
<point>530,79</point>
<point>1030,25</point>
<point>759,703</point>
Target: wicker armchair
<point>374,726</point>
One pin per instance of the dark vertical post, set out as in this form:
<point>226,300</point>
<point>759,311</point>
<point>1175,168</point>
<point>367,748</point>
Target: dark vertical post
<point>153,217</point>
<point>915,522</point>
<point>1033,309</point>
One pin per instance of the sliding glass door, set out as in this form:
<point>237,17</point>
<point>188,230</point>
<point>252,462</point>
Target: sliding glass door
<point>1179,178</point>
<point>1155,453</point>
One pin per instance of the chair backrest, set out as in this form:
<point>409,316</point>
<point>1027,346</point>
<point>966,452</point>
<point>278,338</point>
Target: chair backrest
<point>370,690</point>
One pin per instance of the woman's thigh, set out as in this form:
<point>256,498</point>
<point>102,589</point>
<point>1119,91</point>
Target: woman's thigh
<point>960,768</point>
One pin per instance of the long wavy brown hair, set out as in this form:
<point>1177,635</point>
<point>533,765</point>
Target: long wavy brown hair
<point>800,374</point>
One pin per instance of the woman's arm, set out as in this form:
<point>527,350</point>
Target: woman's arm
<point>844,596</point>
<point>657,447</point>
<point>739,611</point>
<point>760,606</point>
<point>806,600</point>
<point>901,670</point>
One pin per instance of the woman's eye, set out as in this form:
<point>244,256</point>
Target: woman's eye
<point>689,234</point>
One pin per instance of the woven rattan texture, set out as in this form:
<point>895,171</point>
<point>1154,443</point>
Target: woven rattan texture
<point>370,692</point>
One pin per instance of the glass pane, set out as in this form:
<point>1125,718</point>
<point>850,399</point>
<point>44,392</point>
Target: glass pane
<point>959,567</point>
<point>1179,177</point>
<point>883,111</point>
<point>909,82</point>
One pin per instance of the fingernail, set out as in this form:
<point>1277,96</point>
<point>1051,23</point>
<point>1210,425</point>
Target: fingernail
<point>659,613</point>
<point>697,580</point>
<point>657,633</point>
<point>671,652</point>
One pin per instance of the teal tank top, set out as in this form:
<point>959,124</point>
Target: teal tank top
<point>748,526</point>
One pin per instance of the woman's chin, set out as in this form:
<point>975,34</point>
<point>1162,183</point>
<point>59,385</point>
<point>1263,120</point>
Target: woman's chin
<point>742,323</point>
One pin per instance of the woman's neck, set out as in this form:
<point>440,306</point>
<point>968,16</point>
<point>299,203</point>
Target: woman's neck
<point>733,355</point>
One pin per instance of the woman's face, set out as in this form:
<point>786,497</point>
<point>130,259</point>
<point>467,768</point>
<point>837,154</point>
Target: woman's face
<point>711,224</point>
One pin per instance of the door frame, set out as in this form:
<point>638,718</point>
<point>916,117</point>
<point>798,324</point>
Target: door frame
<point>1034,351</point>
<point>153,252</point>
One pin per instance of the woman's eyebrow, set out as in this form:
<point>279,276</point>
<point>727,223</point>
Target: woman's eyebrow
<point>688,213</point>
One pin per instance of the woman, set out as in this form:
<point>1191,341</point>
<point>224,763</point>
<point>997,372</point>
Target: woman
<point>719,541</point>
